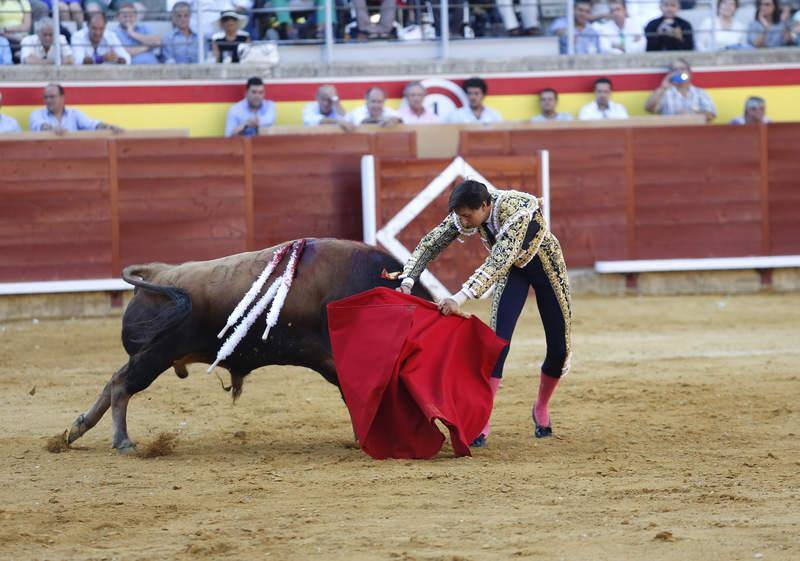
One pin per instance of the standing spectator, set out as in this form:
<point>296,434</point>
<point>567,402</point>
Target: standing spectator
<point>755,111</point>
<point>374,110</point>
<point>729,32</point>
<point>548,101</point>
<point>96,45</point>
<point>678,96</point>
<point>620,34</point>
<point>225,43</point>
<point>38,48</point>
<point>5,52</point>
<point>602,107</point>
<point>137,38</point>
<point>15,21</point>
<point>587,41</point>
<point>770,28</point>
<point>7,124</point>
<point>254,112</point>
<point>179,46</point>
<point>412,110</point>
<point>385,25</point>
<point>326,110</point>
<point>669,32</point>
<point>528,9</point>
<point>476,111</point>
<point>56,117</point>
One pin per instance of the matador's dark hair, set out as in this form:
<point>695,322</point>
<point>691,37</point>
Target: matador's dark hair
<point>469,194</point>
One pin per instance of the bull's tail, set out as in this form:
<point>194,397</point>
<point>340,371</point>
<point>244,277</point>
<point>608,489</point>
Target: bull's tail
<point>146,328</point>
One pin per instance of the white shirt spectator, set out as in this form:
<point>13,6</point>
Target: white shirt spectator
<point>591,112</point>
<point>82,47</point>
<point>32,45</point>
<point>360,113</point>
<point>8,124</point>
<point>312,116</point>
<point>724,38</point>
<point>557,117</point>
<point>643,11</point>
<point>465,115</point>
<point>631,37</point>
<point>428,117</point>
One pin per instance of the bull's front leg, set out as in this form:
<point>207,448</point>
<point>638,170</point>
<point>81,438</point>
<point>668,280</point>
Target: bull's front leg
<point>92,416</point>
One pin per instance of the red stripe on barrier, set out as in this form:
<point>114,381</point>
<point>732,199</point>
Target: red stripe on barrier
<point>517,85</point>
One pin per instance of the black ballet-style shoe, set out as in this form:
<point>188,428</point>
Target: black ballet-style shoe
<point>541,432</point>
<point>480,441</point>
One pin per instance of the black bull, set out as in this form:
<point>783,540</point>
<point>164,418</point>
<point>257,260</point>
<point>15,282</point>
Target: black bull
<point>176,312</point>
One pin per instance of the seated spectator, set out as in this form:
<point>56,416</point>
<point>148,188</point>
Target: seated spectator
<point>137,38</point>
<point>179,46</point>
<point>587,41</point>
<point>252,113</point>
<point>728,32</point>
<point>69,10</point>
<point>602,107</point>
<point>326,110</point>
<point>755,111</point>
<point>7,124</point>
<point>6,57</point>
<point>381,30</point>
<point>38,48</point>
<point>795,29</point>
<point>210,11</point>
<point>770,27</point>
<point>528,9</point>
<point>548,101</point>
<point>678,96</point>
<point>225,43</point>
<point>620,34</point>
<point>94,44</point>
<point>476,111</point>
<point>374,110</point>
<point>59,119</point>
<point>102,6</point>
<point>669,32</point>
<point>412,109</point>
<point>15,21</point>
<point>293,19</point>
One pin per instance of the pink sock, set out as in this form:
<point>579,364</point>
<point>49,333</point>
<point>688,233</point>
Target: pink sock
<point>495,384</point>
<point>547,385</point>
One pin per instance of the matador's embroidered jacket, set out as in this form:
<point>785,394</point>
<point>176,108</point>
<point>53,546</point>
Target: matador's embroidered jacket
<point>513,234</point>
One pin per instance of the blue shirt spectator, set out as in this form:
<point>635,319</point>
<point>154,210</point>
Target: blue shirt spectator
<point>70,120</point>
<point>252,113</point>
<point>7,124</point>
<point>179,45</point>
<point>587,40</point>
<point>137,38</point>
<point>5,52</point>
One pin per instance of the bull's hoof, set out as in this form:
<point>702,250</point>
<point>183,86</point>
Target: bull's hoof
<point>125,447</point>
<point>75,431</point>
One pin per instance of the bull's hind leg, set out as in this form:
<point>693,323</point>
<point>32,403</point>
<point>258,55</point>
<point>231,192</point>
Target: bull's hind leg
<point>143,369</point>
<point>92,416</point>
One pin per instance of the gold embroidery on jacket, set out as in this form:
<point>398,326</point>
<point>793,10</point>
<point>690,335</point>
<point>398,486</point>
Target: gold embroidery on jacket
<point>556,271</point>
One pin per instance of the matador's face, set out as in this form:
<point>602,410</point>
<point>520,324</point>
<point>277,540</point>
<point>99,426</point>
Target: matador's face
<point>474,217</point>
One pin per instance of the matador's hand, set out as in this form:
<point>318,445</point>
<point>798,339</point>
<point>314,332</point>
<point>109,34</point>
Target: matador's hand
<point>448,307</point>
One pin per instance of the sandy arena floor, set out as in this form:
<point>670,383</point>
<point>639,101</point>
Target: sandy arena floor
<point>678,439</point>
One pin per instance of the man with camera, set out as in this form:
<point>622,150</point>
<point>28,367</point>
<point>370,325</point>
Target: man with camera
<point>678,96</point>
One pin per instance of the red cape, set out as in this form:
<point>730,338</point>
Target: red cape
<point>401,365</point>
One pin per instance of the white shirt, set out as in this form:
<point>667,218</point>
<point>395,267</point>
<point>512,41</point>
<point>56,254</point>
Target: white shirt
<point>32,45</point>
<point>8,124</point>
<point>357,115</point>
<point>82,47</point>
<point>736,34</point>
<point>312,116</point>
<point>591,112</point>
<point>465,115</point>
<point>643,11</point>
<point>631,36</point>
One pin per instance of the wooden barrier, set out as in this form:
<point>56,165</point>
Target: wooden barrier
<point>78,209</point>
<point>653,193</point>
<point>84,208</point>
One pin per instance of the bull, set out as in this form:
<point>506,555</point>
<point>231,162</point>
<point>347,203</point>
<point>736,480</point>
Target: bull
<point>176,312</point>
